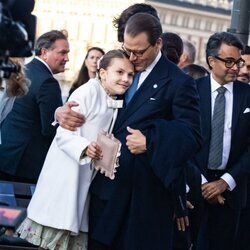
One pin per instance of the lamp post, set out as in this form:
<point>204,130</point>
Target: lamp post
<point>240,19</point>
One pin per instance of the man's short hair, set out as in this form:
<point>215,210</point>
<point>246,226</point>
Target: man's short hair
<point>144,22</point>
<point>48,39</point>
<point>190,50</point>
<point>246,50</point>
<point>172,46</point>
<point>120,22</point>
<point>217,39</point>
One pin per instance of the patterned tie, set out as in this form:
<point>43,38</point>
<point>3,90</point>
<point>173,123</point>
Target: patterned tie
<point>216,143</point>
<point>132,89</point>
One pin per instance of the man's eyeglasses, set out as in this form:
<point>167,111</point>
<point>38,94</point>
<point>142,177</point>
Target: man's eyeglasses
<point>137,53</point>
<point>229,63</point>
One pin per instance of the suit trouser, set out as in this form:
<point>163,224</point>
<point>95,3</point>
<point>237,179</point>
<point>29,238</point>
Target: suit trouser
<point>243,240</point>
<point>220,224</point>
<point>95,211</point>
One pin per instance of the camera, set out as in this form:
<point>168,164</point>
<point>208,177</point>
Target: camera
<point>17,32</point>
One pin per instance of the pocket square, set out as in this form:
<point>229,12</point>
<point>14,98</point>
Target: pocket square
<point>152,99</point>
<point>247,110</point>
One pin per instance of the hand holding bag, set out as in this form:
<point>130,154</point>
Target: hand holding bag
<point>111,148</point>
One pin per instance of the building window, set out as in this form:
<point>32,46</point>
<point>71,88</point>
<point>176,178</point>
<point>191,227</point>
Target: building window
<point>174,19</point>
<point>185,21</point>
<point>197,24</point>
<point>162,17</point>
<point>208,26</point>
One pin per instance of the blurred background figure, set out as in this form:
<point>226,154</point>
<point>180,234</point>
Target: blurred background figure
<point>244,74</point>
<point>88,68</point>
<point>172,46</point>
<point>16,85</point>
<point>120,21</point>
<point>27,131</point>
<point>188,55</point>
<point>244,225</point>
<point>196,71</point>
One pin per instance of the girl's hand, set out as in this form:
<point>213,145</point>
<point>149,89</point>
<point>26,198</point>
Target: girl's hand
<point>94,151</point>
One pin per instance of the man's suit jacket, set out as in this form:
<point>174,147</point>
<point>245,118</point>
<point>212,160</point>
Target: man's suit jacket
<point>139,208</point>
<point>238,162</point>
<point>27,131</point>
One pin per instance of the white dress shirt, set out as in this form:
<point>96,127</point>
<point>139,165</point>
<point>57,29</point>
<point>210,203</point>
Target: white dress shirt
<point>147,71</point>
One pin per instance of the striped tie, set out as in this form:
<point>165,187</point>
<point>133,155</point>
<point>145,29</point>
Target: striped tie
<point>216,143</point>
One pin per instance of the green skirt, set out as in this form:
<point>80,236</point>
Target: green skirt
<point>51,238</point>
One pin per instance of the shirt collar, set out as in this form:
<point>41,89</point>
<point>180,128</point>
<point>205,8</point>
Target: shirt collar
<point>151,66</point>
<point>215,85</point>
<point>42,61</point>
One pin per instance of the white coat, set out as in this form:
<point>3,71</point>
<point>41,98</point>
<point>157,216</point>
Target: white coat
<point>61,197</point>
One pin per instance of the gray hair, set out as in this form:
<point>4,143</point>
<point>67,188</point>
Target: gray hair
<point>190,50</point>
<point>48,39</point>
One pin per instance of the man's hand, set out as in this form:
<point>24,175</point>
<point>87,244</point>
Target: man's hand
<point>218,199</point>
<point>190,205</point>
<point>214,188</point>
<point>182,223</point>
<point>136,141</point>
<point>94,151</point>
<point>68,118</point>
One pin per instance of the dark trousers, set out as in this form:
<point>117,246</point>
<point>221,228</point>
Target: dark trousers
<point>243,239</point>
<point>96,209</point>
<point>219,223</point>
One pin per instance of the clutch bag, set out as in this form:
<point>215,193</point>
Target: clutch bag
<point>111,150</point>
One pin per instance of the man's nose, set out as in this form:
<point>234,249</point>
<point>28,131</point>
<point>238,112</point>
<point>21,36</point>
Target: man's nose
<point>132,57</point>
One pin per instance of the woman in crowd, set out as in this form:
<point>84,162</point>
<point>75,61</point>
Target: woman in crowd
<point>16,85</point>
<point>88,68</point>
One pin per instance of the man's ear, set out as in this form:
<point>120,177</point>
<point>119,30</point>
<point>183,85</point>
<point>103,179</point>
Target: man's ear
<point>102,74</point>
<point>159,43</point>
<point>211,61</point>
<point>44,53</point>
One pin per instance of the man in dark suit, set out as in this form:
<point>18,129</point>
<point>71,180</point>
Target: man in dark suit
<point>225,121</point>
<point>27,131</point>
<point>243,241</point>
<point>159,131</point>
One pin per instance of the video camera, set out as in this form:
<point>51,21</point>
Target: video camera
<point>17,32</point>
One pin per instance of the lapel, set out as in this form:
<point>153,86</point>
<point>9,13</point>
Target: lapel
<point>204,88</point>
<point>154,82</point>
<point>238,101</point>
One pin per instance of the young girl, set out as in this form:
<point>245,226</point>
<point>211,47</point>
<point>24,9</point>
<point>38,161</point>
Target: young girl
<point>59,206</point>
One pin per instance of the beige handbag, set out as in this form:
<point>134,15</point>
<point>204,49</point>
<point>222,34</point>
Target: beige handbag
<point>111,148</point>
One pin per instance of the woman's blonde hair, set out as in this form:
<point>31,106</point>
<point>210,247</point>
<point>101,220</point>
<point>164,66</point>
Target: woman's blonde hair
<point>17,84</point>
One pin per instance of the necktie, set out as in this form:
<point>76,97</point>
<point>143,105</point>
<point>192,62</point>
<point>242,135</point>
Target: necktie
<point>216,143</point>
<point>132,89</point>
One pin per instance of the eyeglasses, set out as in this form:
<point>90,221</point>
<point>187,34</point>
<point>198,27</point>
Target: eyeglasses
<point>137,53</point>
<point>229,63</point>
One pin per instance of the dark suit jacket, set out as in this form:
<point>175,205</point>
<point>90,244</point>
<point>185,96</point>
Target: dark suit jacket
<point>27,131</point>
<point>139,209</point>
<point>238,162</point>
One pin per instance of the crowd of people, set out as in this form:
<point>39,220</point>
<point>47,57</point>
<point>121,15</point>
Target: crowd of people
<point>183,177</point>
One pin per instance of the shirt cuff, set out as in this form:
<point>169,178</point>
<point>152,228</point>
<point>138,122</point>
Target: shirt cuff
<point>84,159</point>
<point>203,179</point>
<point>54,123</point>
<point>229,180</point>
